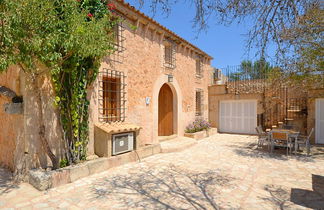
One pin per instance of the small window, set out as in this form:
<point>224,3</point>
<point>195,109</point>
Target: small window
<point>199,102</point>
<point>112,108</point>
<point>119,37</point>
<point>199,66</point>
<point>169,54</point>
<point>117,33</point>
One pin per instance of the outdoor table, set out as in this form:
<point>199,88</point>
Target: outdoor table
<point>291,134</point>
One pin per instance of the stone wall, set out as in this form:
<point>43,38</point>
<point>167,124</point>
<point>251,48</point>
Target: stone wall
<point>35,154</point>
<point>20,146</point>
<point>11,125</point>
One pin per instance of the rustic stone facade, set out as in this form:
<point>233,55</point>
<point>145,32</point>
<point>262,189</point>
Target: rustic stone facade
<point>11,126</point>
<point>142,63</point>
<point>20,147</point>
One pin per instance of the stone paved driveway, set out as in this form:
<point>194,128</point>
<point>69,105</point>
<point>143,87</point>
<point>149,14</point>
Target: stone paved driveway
<point>220,172</point>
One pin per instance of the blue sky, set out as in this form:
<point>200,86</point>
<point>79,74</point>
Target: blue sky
<point>226,44</point>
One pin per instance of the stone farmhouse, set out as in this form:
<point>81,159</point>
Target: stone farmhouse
<point>153,86</point>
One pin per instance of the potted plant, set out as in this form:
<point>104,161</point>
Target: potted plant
<point>198,129</point>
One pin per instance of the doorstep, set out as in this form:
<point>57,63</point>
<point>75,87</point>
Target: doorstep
<point>177,145</point>
<point>166,138</point>
<point>44,180</point>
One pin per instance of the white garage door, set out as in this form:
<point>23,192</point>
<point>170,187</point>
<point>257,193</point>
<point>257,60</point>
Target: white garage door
<point>239,116</point>
<point>319,129</point>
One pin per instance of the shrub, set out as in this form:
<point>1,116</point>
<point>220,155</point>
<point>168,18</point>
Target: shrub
<point>197,125</point>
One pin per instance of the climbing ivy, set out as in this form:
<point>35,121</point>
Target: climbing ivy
<point>67,40</point>
<point>71,83</point>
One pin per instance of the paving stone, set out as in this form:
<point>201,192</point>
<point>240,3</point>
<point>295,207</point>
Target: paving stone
<point>2,203</point>
<point>41,205</point>
<point>229,168</point>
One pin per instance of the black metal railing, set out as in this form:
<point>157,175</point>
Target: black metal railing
<point>199,102</point>
<point>245,78</point>
<point>170,50</point>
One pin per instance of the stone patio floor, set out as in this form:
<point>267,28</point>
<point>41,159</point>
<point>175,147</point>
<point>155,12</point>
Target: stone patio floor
<point>220,172</point>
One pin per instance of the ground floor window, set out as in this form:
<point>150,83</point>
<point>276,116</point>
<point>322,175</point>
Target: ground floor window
<point>199,102</point>
<point>112,96</point>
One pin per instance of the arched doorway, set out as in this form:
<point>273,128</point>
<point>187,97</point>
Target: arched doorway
<point>165,127</point>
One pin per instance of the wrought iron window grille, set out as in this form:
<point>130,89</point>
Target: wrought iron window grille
<point>118,43</point>
<point>112,96</point>
<point>199,102</point>
<point>169,54</point>
<point>199,66</point>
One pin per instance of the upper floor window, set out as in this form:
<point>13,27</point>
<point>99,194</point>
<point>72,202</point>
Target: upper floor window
<point>112,94</point>
<point>118,37</point>
<point>199,66</point>
<point>199,102</point>
<point>169,54</point>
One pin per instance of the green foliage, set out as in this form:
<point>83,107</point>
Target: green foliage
<point>259,69</point>
<point>307,39</point>
<point>63,163</point>
<point>68,38</point>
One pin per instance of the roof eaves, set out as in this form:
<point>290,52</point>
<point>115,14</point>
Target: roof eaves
<point>161,26</point>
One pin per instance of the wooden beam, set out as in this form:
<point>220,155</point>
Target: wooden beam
<point>161,37</point>
<point>146,27</point>
<point>137,24</point>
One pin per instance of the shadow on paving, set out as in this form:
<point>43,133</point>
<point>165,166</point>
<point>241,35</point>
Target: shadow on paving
<point>251,150</point>
<point>310,199</point>
<point>6,182</point>
<point>279,197</point>
<point>169,188</point>
<point>282,199</point>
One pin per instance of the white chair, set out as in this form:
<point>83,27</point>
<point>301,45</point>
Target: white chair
<point>263,136</point>
<point>304,141</point>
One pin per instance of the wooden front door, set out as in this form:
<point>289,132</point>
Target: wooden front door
<point>165,111</point>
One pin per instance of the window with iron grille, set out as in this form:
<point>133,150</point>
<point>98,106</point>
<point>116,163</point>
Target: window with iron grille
<point>199,102</point>
<point>118,42</point>
<point>112,96</point>
<point>119,37</point>
<point>169,54</point>
<point>199,66</point>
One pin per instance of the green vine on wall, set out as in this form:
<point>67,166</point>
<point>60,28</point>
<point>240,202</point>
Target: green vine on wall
<point>71,83</point>
<point>66,39</point>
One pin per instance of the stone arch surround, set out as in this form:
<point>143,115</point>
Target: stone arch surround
<point>177,105</point>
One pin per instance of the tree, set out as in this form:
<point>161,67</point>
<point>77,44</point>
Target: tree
<point>66,39</point>
<point>259,69</point>
<point>307,39</point>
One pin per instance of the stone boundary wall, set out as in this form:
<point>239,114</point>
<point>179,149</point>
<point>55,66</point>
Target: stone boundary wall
<point>43,180</point>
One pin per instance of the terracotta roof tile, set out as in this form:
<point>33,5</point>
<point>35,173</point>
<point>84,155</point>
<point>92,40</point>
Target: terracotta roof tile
<point>117,127</point>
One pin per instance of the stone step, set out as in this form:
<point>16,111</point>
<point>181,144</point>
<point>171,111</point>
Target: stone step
<point>177,145</point>
<point>167,138</point>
